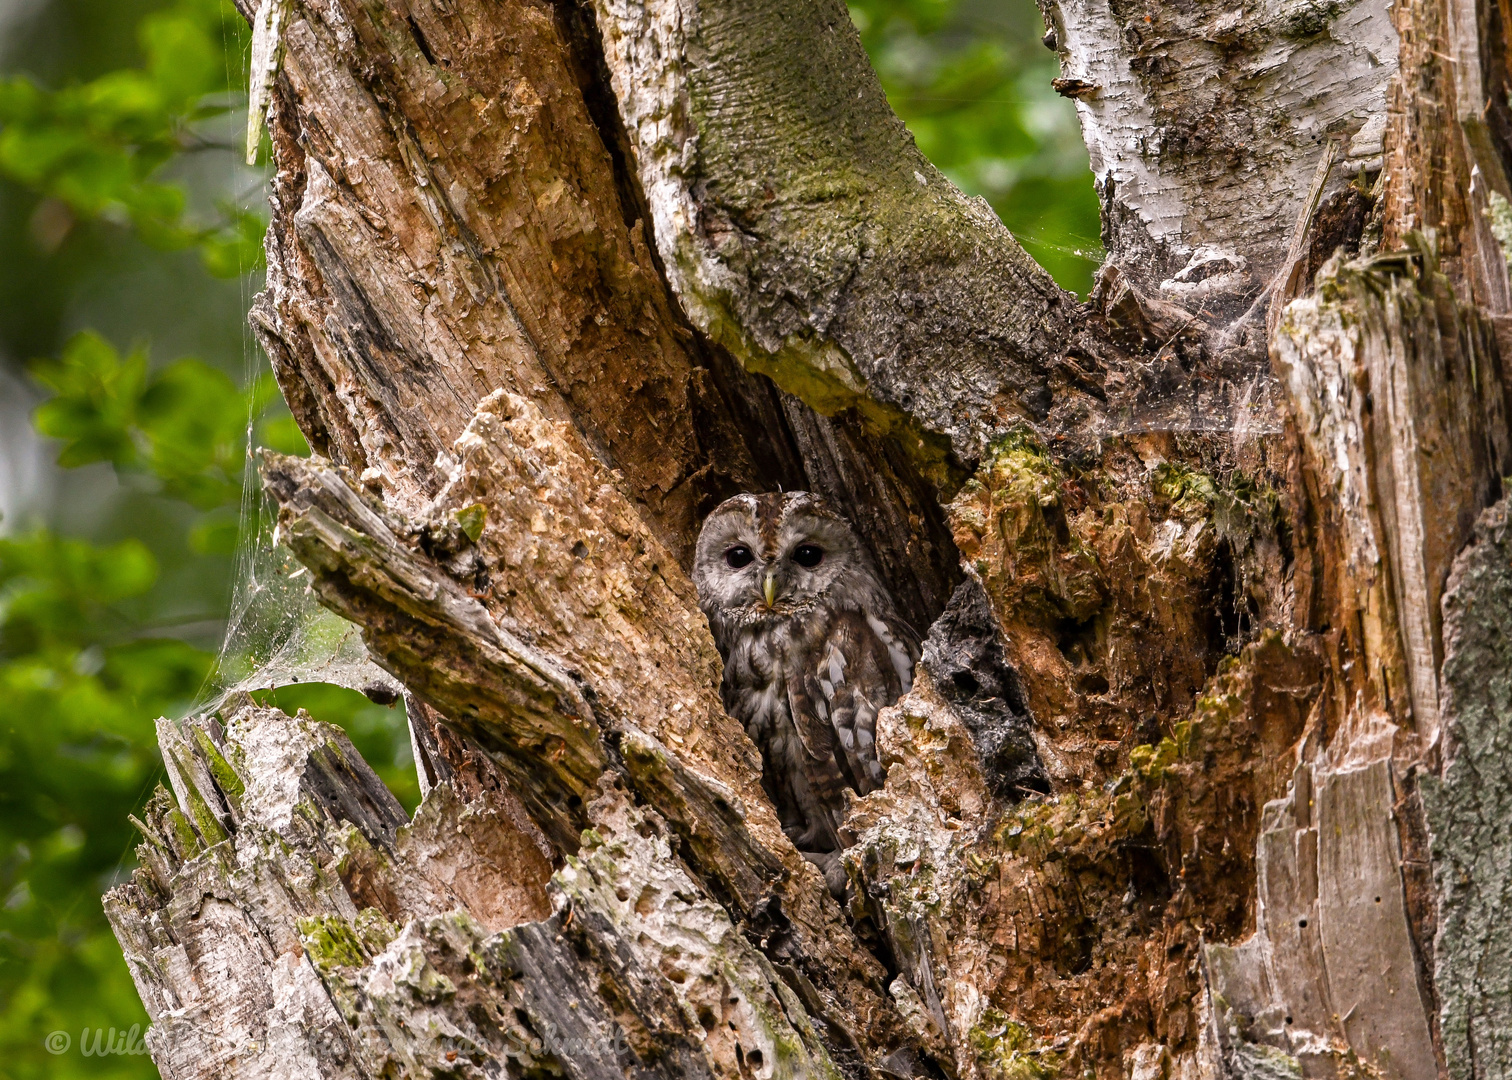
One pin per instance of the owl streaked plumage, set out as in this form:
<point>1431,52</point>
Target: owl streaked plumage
<point>813,650</point>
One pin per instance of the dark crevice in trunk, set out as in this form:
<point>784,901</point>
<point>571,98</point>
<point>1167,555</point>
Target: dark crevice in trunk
<point>964,654</point>
<point>743,417</point>
<point>420,41</point>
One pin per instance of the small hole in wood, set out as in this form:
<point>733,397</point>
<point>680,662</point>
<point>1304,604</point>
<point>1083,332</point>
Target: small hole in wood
<point>1302,923</point>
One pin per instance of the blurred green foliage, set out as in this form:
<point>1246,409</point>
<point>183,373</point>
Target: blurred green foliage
<point>971,80</point>
<point>181,424</point>
<point>99,146</point>
<point>102,632</point>
<point>122,221</point>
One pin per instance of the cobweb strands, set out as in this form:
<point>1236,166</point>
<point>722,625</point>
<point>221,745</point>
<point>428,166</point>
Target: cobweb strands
<point>277,633</point>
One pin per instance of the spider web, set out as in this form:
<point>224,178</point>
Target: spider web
<point>277,633</point>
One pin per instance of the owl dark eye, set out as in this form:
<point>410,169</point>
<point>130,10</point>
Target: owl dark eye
<point>808,555</point>
<point>739,556</point>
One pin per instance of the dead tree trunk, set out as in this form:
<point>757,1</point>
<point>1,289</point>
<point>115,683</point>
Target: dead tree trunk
<point>1208,767</point>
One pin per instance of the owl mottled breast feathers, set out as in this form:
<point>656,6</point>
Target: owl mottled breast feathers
<point>813,650</point>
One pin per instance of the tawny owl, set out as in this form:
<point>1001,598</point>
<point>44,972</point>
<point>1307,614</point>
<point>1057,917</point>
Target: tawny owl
<point>813,649</point>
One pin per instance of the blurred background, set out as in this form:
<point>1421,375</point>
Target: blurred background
<point>130,392</point>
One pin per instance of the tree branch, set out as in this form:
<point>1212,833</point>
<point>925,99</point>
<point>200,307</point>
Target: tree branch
<point>802,229</point>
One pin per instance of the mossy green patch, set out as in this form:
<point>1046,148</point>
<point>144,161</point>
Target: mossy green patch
<point>331,942</point>
<point>1029,560</point>
<point>186,839</point>
<point>471,520</point>
<point>198,810</point>
<point>1188,490</point>
<point>1222,705</point>
<point>1019,463</point>
<point>220,768</point>
<point>1245,506</point>
<point>822,375</point>
<point>1501,223</point>
<point>1007,1050</point>
<point>1153,761</point>
<point>1077,823</point>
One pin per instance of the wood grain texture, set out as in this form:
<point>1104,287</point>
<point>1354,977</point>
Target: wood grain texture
<point>303,943</point>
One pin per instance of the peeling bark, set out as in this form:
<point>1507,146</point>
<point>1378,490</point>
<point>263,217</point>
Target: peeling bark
<point>1468,807</point>
<point>1202,770</point>
<point>1215,132</point>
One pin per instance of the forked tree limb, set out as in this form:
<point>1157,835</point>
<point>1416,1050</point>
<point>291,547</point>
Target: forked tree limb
<point>802,228</point>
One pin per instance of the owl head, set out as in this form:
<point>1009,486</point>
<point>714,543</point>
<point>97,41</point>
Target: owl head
<point>766,558</point>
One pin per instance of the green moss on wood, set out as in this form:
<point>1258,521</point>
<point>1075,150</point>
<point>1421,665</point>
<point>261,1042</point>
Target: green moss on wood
<point>1007,1050</point>
<point>185,838</point>
<point>471,520</point>
<point>332,942</point>
<point>1188,490</point>
<point>225,776</point>
<point>198,810</point>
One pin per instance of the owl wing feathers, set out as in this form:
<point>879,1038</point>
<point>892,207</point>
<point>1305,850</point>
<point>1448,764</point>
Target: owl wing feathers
<point>902,644</point>
<point>860,665</point>
<point>810,712</point>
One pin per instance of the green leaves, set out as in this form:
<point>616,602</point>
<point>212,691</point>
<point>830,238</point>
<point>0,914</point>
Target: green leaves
<point>96,403</point>
<point>83,672</point>
<point>972,83</point>
<point>194,422</point>
<point>57,593</point>
<point>100,146</point>
<point>83,668</point>
<point>89,629</point>
<point>80,682</point>
<point>184,424</point>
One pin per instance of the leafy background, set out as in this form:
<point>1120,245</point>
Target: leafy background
<point>129,391</point>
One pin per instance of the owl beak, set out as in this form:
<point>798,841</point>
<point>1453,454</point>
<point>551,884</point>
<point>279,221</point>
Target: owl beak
<point>769,588</point>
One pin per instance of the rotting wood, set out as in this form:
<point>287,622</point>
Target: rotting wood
<point>579,577</point>
<point>1402,403</point>
<point>1302,987</point>
<point>407,281</point>
<point>1468,806</point>
<point>302,943</point>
